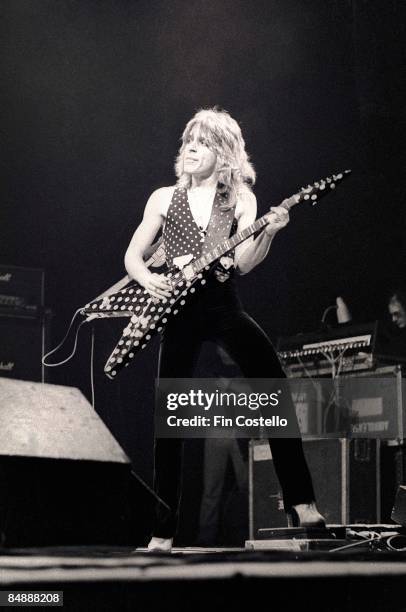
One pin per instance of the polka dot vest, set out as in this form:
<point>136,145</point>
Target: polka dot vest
<point>182,235</point>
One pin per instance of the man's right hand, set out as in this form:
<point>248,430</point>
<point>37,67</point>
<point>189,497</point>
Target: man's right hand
<point>157,285</point>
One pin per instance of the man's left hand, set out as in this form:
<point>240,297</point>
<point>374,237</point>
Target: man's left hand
<point>277,219</point>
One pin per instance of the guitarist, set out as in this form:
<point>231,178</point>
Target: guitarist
<point>211,199</point>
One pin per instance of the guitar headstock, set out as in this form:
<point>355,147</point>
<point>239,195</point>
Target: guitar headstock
<point>313,193</point>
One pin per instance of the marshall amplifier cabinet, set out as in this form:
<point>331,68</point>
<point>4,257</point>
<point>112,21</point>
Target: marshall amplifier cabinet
<point>24,323</point>
<point>23,342</point>
<point>21,291</point>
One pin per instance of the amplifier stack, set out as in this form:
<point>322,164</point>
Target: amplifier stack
<point>24,323</point>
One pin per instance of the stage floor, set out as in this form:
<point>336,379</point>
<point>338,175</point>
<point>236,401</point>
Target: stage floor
<point>67,564</point>
<point>106,578</point>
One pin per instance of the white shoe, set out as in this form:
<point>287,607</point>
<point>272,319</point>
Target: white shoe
<point>160,545</point>
<point>307,516</point>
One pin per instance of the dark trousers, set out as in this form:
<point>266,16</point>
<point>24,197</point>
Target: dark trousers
<point>251,349</point>
<point>218,453</point>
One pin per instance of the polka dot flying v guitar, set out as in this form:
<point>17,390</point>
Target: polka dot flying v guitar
<point>147,315</point>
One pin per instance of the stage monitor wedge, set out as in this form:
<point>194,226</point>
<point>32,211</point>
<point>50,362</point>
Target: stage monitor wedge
<point>52,421</point>
<point>64,479</point>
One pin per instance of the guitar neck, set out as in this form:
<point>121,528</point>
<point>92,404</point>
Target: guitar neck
<point>311,194</point>
<point>230,243</point>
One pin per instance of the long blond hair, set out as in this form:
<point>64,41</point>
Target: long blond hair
<point>223,135</point>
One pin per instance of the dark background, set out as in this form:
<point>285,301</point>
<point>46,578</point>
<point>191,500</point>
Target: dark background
<point>95,95</point>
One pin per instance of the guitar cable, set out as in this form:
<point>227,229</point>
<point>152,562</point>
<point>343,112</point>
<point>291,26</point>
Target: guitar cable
<point>59,346</point>
<point>92,368</point>
<point>69,357</point>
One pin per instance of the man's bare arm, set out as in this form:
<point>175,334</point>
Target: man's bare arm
<point>156,284</point>
<point>251,252</point>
